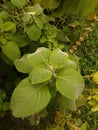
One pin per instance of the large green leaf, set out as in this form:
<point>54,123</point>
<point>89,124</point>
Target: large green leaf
<point>11,50</point>
<point>50,4</point>
<point>28,99</point>
<point>19,3</point>
<point>40,75</point>
<point>23,65</point>
<point>58,58</point>
<point>70,83</point>
<point>32,31</point>
<point>67,7</point>
<point>86,6</point>
<point>40,57</point>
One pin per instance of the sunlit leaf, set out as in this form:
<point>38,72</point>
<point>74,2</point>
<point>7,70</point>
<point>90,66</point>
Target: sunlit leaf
<point>40,57</point>
<point>28,99</point>
<point>58,58</point>
<point>23,65</point>
<point>11,50</point>
<point>70,83</point>
<point>40,75</point>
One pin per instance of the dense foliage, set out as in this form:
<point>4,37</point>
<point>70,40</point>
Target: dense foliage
<point>49,63</point>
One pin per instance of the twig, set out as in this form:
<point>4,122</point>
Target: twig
<point>6,9</point>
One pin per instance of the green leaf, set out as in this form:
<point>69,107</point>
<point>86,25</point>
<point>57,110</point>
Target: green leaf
<point>19,3</point>
<point>20,40</point>
<point>32,31</point>
<point>23,65</point>
<point>40,57</point>
<point>70,65</point>
<point>40,20</point>
<point>7,26</point>
<point>5,106</point>
<point>2,94</point>
<point>67,7</point>
<point>95,97</point>
<point>11,50</point>
<point>28,99</point>
<point>95,108</point>
<point>50,4</point>
<point>84,126</point>
<point>86,7</point>
<point>69,103</point>
<point>58,58</point>
<point>70,83</point>
<point>40,75</point>
<point>95,90</point>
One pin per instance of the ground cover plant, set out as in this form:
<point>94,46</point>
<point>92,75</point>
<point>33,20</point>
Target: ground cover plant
<point>48,65</point>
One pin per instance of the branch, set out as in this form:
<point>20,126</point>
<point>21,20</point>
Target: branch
<point>6,9</point>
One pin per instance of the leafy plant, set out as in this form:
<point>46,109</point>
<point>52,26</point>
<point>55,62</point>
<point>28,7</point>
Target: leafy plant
<point>29,97</point>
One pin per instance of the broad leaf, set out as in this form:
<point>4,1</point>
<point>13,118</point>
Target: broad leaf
<point>28,99</point>
<point>11,50</point>
<point>40,75</point>
<point>67,7</point>
<point>86,7</point>
<point>32,31</point>
<point>58,58</point>
<point>70,83</point>
<point>7,26</point>
<point>19,39</point>
<point>23,65</point>
<point>19,3</point>
<point>40,57</point>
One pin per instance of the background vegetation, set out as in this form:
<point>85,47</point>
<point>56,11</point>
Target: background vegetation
<point>66,34</point>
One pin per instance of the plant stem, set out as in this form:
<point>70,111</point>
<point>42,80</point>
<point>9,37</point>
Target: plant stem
<point>6,9</point>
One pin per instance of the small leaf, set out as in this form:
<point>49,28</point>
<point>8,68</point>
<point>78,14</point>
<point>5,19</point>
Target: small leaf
<point>20,40</point>
<point>19,3</point>
<point>7,26</point>
<point>40,57</point>
<point>6,106</point>
<point>95,97</point>
<point>95,77</point>
<point>58,58</point>
<point>50,4</point>
<point>92,102</point>
<point>40,75</point>
<point>84,126</point>
<point>95,108</point>
<point>95,90</point>
<point>28,99</point>
<point>32,31</point>
<point>23,65</point>
<point>70,83</point>
<point>2,94</point>
<point>11,50</point>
